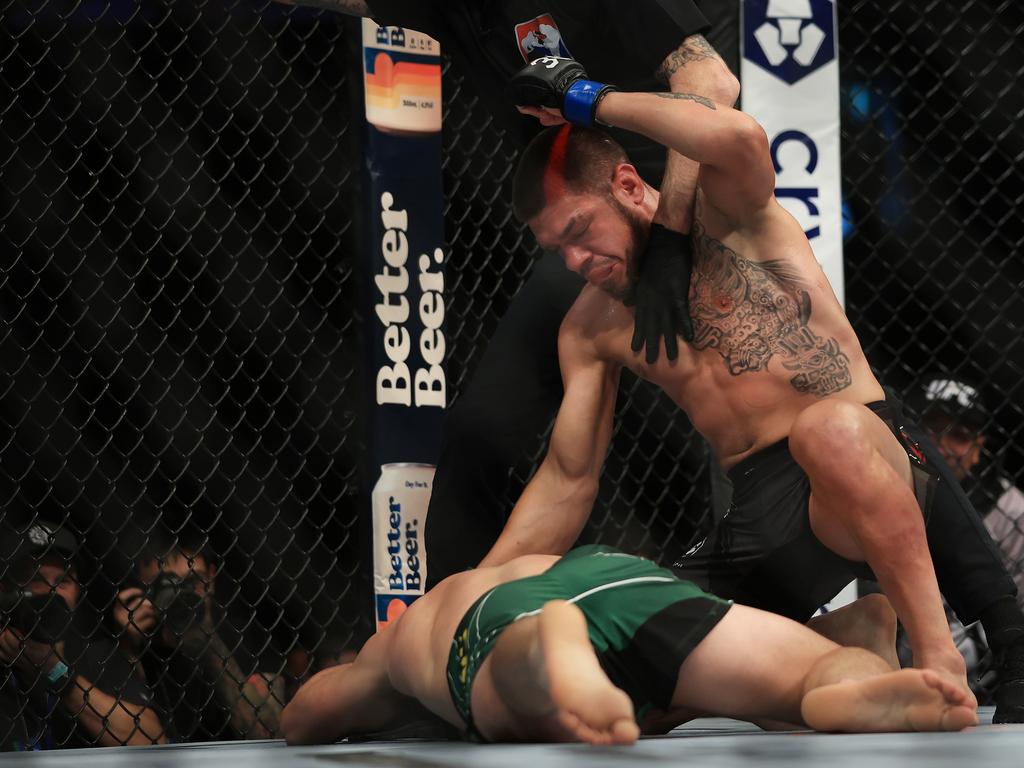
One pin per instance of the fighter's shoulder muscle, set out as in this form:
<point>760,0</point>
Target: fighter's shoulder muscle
<point>591,321</point>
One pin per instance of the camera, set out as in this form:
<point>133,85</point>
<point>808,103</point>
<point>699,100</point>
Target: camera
<point>43,618</point>
<point>176,602</point>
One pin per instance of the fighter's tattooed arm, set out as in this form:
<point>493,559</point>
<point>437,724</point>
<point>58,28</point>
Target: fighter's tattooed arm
<point>751,312</point>
<point>687,97</point>
<point>694,48</point>
<point>350,7</point>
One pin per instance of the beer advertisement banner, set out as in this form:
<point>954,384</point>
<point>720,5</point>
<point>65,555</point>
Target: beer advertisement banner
<point>790,74</point>
<point>405,301</point>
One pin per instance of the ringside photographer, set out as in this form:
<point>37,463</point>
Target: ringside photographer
<point>213,684</point>
<point>63,684</point>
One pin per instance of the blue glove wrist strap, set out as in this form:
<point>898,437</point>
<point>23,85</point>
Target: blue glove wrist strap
<point>580,100</point>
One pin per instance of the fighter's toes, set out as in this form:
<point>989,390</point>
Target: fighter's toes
<point>625,731</point>
<point>601,717</point>
<point>574,729</point>
<point>952,691</point>
<point>959,717</point>
<point>959,708</point>
<point>932,701</point>
<point>588,704</point>
<point>905,700</point>
<point>953,688</point>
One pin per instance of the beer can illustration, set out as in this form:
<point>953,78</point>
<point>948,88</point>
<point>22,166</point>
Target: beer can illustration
<point>400,500</point>
<point>402,79</point>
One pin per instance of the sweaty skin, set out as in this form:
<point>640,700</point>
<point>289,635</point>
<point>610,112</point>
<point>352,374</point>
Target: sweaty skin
<point>769,335</point>
<point>773,357</point>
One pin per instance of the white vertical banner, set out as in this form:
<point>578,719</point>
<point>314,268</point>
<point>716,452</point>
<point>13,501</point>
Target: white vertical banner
<point>790,74</point>
<point>789,69</point>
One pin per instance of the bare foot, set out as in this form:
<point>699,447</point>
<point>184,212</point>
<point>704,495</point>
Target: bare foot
<point>908,700</point>
<point>588,707</point>
<point>951,668</point>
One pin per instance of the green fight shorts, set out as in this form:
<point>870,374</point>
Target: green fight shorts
<point>643,622</point>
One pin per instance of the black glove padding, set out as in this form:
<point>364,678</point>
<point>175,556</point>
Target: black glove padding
<point>562,84</point>
<point>544,81</point>
<point>662,293</point>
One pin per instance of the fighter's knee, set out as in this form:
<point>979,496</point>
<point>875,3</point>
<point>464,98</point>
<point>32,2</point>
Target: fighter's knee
<point>828,430</point>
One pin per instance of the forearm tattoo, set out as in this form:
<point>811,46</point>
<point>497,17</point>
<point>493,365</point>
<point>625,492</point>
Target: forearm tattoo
<point>702,100</point>
<point>753,311</point>
<point>694,48</point>
<point>350,7</point>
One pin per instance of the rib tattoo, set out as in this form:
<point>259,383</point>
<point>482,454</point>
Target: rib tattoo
<point>753,311</point>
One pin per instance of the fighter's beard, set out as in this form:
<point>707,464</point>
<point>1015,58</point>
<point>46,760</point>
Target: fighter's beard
<point>639,232</point>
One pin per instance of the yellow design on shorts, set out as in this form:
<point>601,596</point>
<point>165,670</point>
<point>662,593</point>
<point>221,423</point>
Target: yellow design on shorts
<point>463,659</point>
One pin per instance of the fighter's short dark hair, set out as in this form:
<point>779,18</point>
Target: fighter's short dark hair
<point>563,159</point>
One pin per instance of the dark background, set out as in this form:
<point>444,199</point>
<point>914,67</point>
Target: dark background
<point>178,265</point>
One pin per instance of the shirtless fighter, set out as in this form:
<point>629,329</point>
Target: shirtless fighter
<point>594,645</point>
<point>825,478</point>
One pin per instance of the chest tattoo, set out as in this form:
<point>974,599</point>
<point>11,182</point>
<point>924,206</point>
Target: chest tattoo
<point>750,312</point>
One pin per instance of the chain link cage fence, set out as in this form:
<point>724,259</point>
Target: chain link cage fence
<point>178,197</point>
<point>933,154</point>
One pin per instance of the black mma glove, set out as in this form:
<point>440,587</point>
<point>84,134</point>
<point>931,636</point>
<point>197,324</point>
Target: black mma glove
<point>561,84</point>
<point>662,293</point>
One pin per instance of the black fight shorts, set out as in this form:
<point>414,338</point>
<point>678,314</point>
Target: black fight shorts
<point>763,552</point>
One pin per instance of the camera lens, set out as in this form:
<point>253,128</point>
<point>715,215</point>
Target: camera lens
<point>176,601</point>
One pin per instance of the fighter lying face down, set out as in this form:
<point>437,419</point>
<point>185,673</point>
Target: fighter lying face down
<point>598,646</point>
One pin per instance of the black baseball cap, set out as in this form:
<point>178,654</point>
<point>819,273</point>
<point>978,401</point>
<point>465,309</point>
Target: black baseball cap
<point>956,398</point>
<point>40,539</point>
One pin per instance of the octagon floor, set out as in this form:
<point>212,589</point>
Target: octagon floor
<point>706,743</point>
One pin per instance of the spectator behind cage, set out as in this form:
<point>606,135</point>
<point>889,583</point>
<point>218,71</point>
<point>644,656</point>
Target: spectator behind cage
<point>956,416</point>
<point>210,683</point>
<point>62,684</point>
